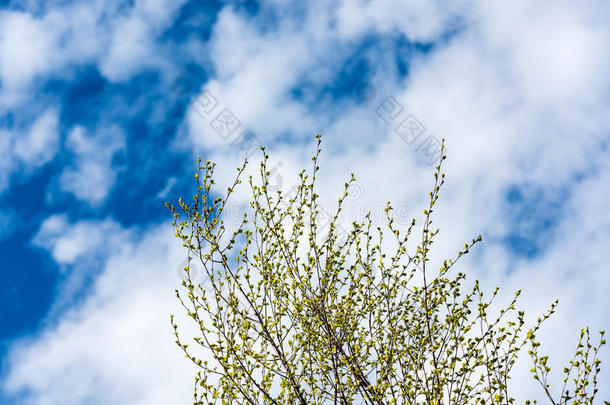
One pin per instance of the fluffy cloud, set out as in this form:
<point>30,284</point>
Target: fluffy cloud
<point>28,149</point>
<point>68,242</point>
<point>418,20</point>
<point>38,41</point>
<point>116,345</point>
<point>35,43</point>
<point>133,43</point>
<point>40,144</point>
<point>25,46</point>
<point>92,176</point>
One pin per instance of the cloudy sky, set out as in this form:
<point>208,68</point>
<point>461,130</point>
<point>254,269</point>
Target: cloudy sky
<point>105,106</point>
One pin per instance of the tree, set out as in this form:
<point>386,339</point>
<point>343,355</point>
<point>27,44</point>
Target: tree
<point>290,317</point>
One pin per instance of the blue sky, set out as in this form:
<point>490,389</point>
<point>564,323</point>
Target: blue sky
<point>104,110</point>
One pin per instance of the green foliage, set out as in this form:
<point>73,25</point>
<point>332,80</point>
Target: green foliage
<point>288,317</point>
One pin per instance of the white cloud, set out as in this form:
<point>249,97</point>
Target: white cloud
<point>418,20</point>
<point>42,41</point>
<point>25,46</point>
<point>34,45</point>
<point>24,151</point>
<point>564,59</point>
<point>70,242</point>
<point>117,346</point>
<point>92,176</point>
<point>40,144</point>
<point>133,44</point>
